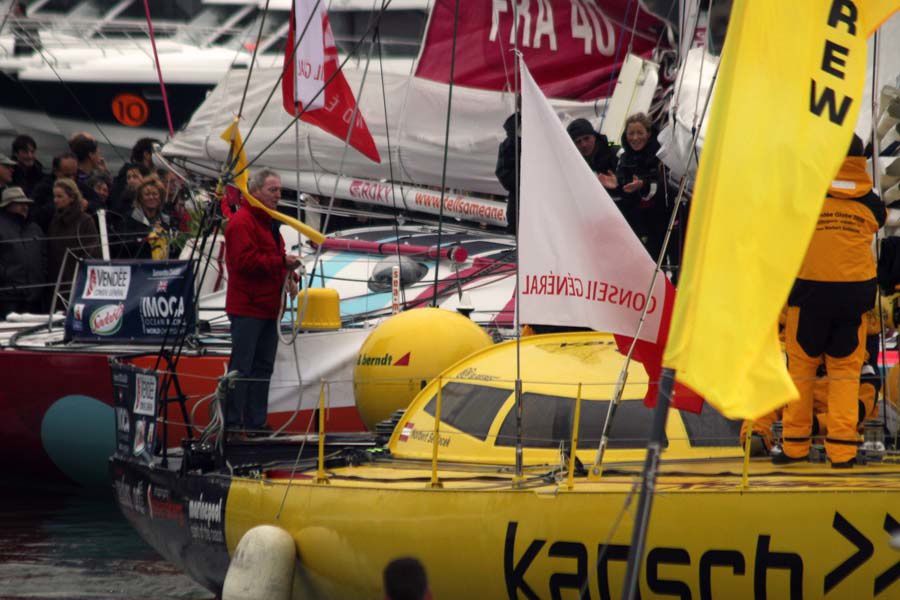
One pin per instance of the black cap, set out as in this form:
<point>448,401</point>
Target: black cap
<point>580,127</point>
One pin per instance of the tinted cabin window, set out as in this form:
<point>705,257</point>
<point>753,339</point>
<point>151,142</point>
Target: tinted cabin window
<point>547,421</point>
<point>469,408</point>
<point>710,428</point>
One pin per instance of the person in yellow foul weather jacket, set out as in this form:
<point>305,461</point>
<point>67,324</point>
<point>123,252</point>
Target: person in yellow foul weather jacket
<point>836,286</point>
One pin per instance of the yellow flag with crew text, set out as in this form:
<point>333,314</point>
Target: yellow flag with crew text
<point>232,135</point>
<point>787,99</point>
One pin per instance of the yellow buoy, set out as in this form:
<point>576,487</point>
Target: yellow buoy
<point>406,351</point>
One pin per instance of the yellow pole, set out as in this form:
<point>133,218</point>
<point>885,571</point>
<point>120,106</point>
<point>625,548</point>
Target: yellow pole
<point>570,483</point>
<point>745,474</point>
<point>321,477</point>
<point>435,482</point>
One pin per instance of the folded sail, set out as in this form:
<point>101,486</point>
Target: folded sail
<point>787,99</point>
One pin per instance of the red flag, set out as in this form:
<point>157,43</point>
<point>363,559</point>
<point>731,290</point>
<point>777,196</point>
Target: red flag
<point>337,100</point>
<point>650,355</point>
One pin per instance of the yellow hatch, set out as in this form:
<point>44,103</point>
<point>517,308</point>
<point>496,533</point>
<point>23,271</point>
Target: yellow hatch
<point>478,419</point>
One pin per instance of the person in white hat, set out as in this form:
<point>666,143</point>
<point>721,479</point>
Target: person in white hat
<point>6,171</point>
<point>22,255</point>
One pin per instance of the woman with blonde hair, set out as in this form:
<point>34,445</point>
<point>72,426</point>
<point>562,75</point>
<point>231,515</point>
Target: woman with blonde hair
<point>71,229</point>
<point>148,227</point>
<point>644,197</point>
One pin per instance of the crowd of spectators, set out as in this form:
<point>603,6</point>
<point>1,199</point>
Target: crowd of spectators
<point>631,173</point>
<point>49,220</point>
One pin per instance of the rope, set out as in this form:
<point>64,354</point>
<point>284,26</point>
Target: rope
<point>440,231</point>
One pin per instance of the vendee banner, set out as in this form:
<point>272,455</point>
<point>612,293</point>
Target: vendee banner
<point>135,392</point>
<point>138,301</point>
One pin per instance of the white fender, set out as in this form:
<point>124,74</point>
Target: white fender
<point>262,567</point>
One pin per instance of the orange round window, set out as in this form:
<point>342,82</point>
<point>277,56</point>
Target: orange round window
<point>130,110</point>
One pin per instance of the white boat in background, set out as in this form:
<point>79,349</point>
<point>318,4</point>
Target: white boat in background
<point>407,116</point>
<point>101,55</point>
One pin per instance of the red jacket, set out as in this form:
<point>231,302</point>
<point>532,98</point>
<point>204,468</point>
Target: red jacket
<point>255,262</point>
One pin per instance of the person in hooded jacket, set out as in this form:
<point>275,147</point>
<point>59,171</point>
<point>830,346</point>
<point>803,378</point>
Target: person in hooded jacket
<point>641,183</point>
<point>71,229</point>
<point>834,289</point>
<point>23,255</point>
<point>596,150</point>
<point>506,169</point>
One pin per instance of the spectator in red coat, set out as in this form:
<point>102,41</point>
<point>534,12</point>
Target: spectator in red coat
<point>257,268</point>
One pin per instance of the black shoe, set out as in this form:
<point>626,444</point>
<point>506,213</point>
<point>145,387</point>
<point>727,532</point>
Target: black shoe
<point>262,431</point>
<point>784,459</point>
<point>847,464</point>
<point>758,446</point>
<point>235,434</point>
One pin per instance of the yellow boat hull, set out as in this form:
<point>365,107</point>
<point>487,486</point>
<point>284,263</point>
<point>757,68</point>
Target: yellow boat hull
<point>808,535</point>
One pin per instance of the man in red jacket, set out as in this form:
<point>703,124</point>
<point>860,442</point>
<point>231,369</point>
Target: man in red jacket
<point>257,267</point>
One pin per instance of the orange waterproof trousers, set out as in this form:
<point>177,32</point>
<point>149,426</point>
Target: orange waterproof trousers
<point>808,337</point>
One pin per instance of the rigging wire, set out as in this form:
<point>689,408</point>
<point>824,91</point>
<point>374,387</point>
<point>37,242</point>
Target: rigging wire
<point>440,231</point>
<point>162,84</point>
<point>623,375</point>
<point>876,179</point>
<point>233,160</point>
<point>262,22</point>
<point>78,102</point>
<point>609,83</point>
<point>387,133</point>
<point>338,71</point>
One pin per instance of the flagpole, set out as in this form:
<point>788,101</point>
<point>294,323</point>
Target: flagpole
<point>648,485</point>
<point>597,467</point>
<point>517,123</point>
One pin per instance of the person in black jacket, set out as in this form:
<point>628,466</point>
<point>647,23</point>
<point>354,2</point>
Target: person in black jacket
<point>28,170</point>
<point>506,168</point>
<point>139,165</point>
<point>23,256</point>
<point>64,166</point>
<point>642,183</point>
<point>596,150</point>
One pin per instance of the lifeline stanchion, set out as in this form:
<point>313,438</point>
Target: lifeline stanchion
<point>321,477</point>
<point>745,472</point>
<point>435,482</point>
<point>573,447</point>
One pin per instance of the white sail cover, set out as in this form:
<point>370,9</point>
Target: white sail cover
<point>415,119</point>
